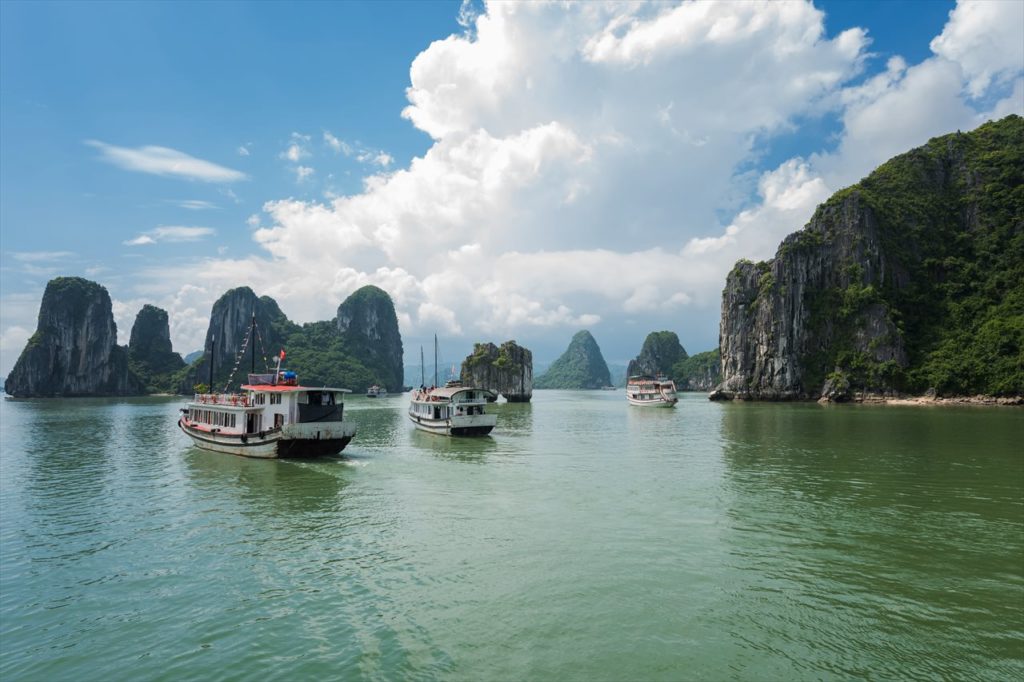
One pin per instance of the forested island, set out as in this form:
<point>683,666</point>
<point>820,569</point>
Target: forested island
<point>909,282</point>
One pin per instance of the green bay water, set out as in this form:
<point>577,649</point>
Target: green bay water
<point>585,540</point>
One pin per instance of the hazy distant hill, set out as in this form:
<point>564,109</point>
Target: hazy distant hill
<point>580,366</point>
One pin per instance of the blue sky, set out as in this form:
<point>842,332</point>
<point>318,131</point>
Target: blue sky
<point>540,169</point>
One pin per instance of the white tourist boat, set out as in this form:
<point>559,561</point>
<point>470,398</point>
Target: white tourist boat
<point>271,417</point>
<point>451,410</point>
<point>376,391</point>
<point>648,391</point>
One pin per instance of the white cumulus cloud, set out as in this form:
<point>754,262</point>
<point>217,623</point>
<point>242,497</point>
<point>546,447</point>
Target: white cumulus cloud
<point>598,164</point>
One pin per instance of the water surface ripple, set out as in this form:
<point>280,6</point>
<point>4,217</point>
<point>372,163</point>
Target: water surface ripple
<point>585,540</point>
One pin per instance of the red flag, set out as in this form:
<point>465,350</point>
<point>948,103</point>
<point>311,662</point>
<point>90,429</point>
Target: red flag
<point>282,354</point>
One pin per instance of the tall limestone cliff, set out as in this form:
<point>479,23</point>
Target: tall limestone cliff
<point>910,280</point>
<point>369,327</point>
<point>74,350</point>
<point>149,349</point>
<point>507,370</point>
<point>660,352</point>
<point>580,366</point>
<point>360,347</point>
<point>230,321</point>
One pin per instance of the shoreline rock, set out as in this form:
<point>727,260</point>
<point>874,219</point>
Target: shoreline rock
<point>858,398</point>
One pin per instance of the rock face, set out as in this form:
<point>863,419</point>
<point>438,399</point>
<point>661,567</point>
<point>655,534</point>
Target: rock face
<point>660,352</point>
<point>74,350</point>
<point>902,282</point>
<point>149,349</point>
<point>507,370</point>
<point>580,366</point>
<point>369,327</point>
<point>230,321</point>
<point>698,372</point>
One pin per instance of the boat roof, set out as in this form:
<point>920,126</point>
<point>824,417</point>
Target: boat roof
<point>450,391</point>
<point>280,388</point>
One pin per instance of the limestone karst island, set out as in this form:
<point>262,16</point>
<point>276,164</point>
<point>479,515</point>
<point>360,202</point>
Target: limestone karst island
<point>909,283</point>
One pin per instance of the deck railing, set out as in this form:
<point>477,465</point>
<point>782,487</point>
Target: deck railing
<point>233,399</point>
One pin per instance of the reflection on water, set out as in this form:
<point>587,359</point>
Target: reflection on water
<point>462,449</point>
<point>269,486</point>
<point>888,533</point>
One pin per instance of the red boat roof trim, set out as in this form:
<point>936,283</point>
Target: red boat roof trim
<point>268,388</point>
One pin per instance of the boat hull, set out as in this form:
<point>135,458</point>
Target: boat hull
<point>475,425</point>
<point>291,441</point>
<point>662,402</point>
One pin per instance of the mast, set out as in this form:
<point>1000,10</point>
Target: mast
<point>252,342</point>
<point>423,370</point>
<point>213,348</point>
<point>435,359</point>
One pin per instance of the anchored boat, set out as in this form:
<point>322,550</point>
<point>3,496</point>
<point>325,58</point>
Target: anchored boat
<point>648,391</point>
<point>271,416</point>
<point>376,391</point>
<point>452,410</point>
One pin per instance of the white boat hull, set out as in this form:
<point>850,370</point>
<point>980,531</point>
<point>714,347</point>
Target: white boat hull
<point>660,402</point>
<point>460,425</point>
<point>292,440</point>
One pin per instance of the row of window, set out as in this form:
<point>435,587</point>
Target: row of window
<point>212,418</point>
<point>261,398</point>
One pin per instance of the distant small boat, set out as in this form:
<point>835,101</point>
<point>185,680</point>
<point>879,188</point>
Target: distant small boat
<point>608,388</point>
<point>376,391</point>
<point>648,391</point>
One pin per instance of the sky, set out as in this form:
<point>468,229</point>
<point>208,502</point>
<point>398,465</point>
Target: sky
<point>504,170</point>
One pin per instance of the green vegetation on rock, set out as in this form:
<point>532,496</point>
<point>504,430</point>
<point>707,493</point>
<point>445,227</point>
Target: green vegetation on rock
<point>910,280</point>
<point>698,372</point>
<point>659,354</point>
<point>580,366</point>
